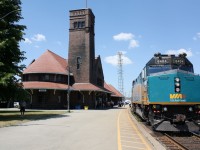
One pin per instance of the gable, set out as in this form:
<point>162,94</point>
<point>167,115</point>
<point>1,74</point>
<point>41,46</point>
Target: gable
<point>48,62</point>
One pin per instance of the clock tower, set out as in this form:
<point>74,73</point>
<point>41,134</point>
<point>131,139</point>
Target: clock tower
<point>81,54</point>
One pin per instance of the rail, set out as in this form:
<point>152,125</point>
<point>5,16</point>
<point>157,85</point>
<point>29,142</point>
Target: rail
<point>183,141</point>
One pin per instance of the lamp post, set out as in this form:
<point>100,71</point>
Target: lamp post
<point>68,91</point>
<point>9,14</point>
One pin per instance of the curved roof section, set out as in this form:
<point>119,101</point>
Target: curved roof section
<point>45,85</point>
<point>48,62</point>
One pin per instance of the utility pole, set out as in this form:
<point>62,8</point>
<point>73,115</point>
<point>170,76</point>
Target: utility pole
<point>86,3</point>
<point>120,73</point>
<point>68,90</point>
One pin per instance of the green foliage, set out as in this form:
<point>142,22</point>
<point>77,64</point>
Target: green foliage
<point>11,56</point>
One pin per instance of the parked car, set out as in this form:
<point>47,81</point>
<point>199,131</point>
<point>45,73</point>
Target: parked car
<point>127,102</point>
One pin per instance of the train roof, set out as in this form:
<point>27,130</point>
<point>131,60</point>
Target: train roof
<point>164,59</point>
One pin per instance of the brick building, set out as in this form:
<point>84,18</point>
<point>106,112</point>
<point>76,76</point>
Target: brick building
<point>46,78</point>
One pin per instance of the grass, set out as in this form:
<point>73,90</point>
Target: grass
<point>10,118</point>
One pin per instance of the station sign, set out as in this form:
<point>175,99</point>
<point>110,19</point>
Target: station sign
<point>42,90</point>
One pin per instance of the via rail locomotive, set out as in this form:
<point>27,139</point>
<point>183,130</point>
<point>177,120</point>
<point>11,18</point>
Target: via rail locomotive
<point>167,94</point>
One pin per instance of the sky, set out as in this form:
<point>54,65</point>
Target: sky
<point>137,28</point>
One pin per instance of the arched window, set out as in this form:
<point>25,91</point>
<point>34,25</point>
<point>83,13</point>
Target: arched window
<point>78,62</point>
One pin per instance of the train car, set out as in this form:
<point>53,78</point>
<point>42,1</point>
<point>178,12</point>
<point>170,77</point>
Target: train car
<point>167,94</point>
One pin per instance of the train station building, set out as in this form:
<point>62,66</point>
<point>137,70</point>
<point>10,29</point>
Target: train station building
<point>50,78</point>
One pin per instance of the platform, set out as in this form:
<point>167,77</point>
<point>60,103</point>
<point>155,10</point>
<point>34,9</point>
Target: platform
<point>133,136</point>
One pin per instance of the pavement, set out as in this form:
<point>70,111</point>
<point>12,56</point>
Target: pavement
<point>79,130</point>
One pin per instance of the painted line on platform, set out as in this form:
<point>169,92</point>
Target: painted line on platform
<point>118,129</point>
<point>139,134</point>
<point>137,138</point>
<point>132,142</point>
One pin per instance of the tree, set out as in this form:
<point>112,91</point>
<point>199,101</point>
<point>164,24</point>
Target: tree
<point>10,54</point>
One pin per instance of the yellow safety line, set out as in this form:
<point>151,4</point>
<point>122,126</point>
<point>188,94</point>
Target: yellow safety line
<point>118,129</point>
<point>141,137</point>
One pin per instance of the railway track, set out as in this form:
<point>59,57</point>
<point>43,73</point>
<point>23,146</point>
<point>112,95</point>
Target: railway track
<point>173,140</point>
<point>180,141</point>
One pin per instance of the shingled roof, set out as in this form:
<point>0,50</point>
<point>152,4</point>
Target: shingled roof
<point>45,85</point>
<point>115,92</point>
<point>48,62</point>
<point>88,87</point>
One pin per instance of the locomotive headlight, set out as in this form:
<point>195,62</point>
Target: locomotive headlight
<point>165,108</point>
<point>177,79</point>
<point>190,109</point>
<point>177,90</point>
<point>177,84</point>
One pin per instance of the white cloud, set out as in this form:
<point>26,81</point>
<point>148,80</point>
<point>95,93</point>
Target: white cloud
<point>180,51</point>
<point>197,36</point>
<point>127,37</point>
<point>126,60</point>
<point>123,36</point>
<point>133,43</point>
<point>39,37</point>
<point>27,40</point>
<point>113,60</point>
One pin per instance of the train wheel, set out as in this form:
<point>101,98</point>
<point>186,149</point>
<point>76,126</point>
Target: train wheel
<point>133,108</point>
<point>151,118</point>
<point>148,122</point>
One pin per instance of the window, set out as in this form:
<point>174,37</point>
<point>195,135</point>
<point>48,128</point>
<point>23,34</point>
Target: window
<point>75,25</point>
<point>158,68</point>
<point>46,77</point>
<point>183,67</point>
<point>26,77</point>
<point>78,62</point>
<point>58,78</point>
<point>79,24</point>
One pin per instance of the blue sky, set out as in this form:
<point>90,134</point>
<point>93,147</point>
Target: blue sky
<point>138,28</point>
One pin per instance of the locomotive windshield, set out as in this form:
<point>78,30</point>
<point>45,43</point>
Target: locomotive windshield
<point>160,63</point>
<point>155,69</point>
